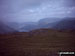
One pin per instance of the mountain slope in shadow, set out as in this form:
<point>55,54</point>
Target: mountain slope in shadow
<point>29,26</point>
<point>4,29</point>
<point>43,23</point>
<point>47,22</point>
<point>68,23</point>
<point>65,23</point>
<point>53,23</point>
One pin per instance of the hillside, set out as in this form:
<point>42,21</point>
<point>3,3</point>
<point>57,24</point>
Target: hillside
<point>23,26</point>
<point>47,22</point>
<point>68,23</point>
<point>40,42</point>
<point>52,23</point>
<point>29,27</point>
<point>4,29</point>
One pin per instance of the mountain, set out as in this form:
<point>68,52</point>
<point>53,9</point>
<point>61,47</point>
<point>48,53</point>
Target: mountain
<point>68,23</point>
<point>48,22</point>
<point>14,25</point>
<point>29,27</point>
<point>23,26</point>
<point>41,42</point>
<point>53,23</point>
<point>5,28</point>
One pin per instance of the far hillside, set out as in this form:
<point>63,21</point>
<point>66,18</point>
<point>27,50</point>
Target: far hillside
<point>5,29</point>
<point>51,23</point>
<point>68,23</point>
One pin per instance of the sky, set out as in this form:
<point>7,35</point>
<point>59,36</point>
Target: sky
<point>34,10</point>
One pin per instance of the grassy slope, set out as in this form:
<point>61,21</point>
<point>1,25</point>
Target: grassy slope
<point>41,42</point>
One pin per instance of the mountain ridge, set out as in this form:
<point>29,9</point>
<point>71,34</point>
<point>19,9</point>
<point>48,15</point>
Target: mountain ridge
<point>5,29</point>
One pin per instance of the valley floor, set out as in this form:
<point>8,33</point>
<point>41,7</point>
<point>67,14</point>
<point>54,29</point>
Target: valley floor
<point>37,43</point>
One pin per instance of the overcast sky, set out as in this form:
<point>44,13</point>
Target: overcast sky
<point>33,10</point>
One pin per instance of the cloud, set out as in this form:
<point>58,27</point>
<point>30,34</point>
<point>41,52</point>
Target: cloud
<point>33,10</point>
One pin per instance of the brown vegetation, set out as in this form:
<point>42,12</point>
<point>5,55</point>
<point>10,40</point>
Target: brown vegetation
<point>43,42</point>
